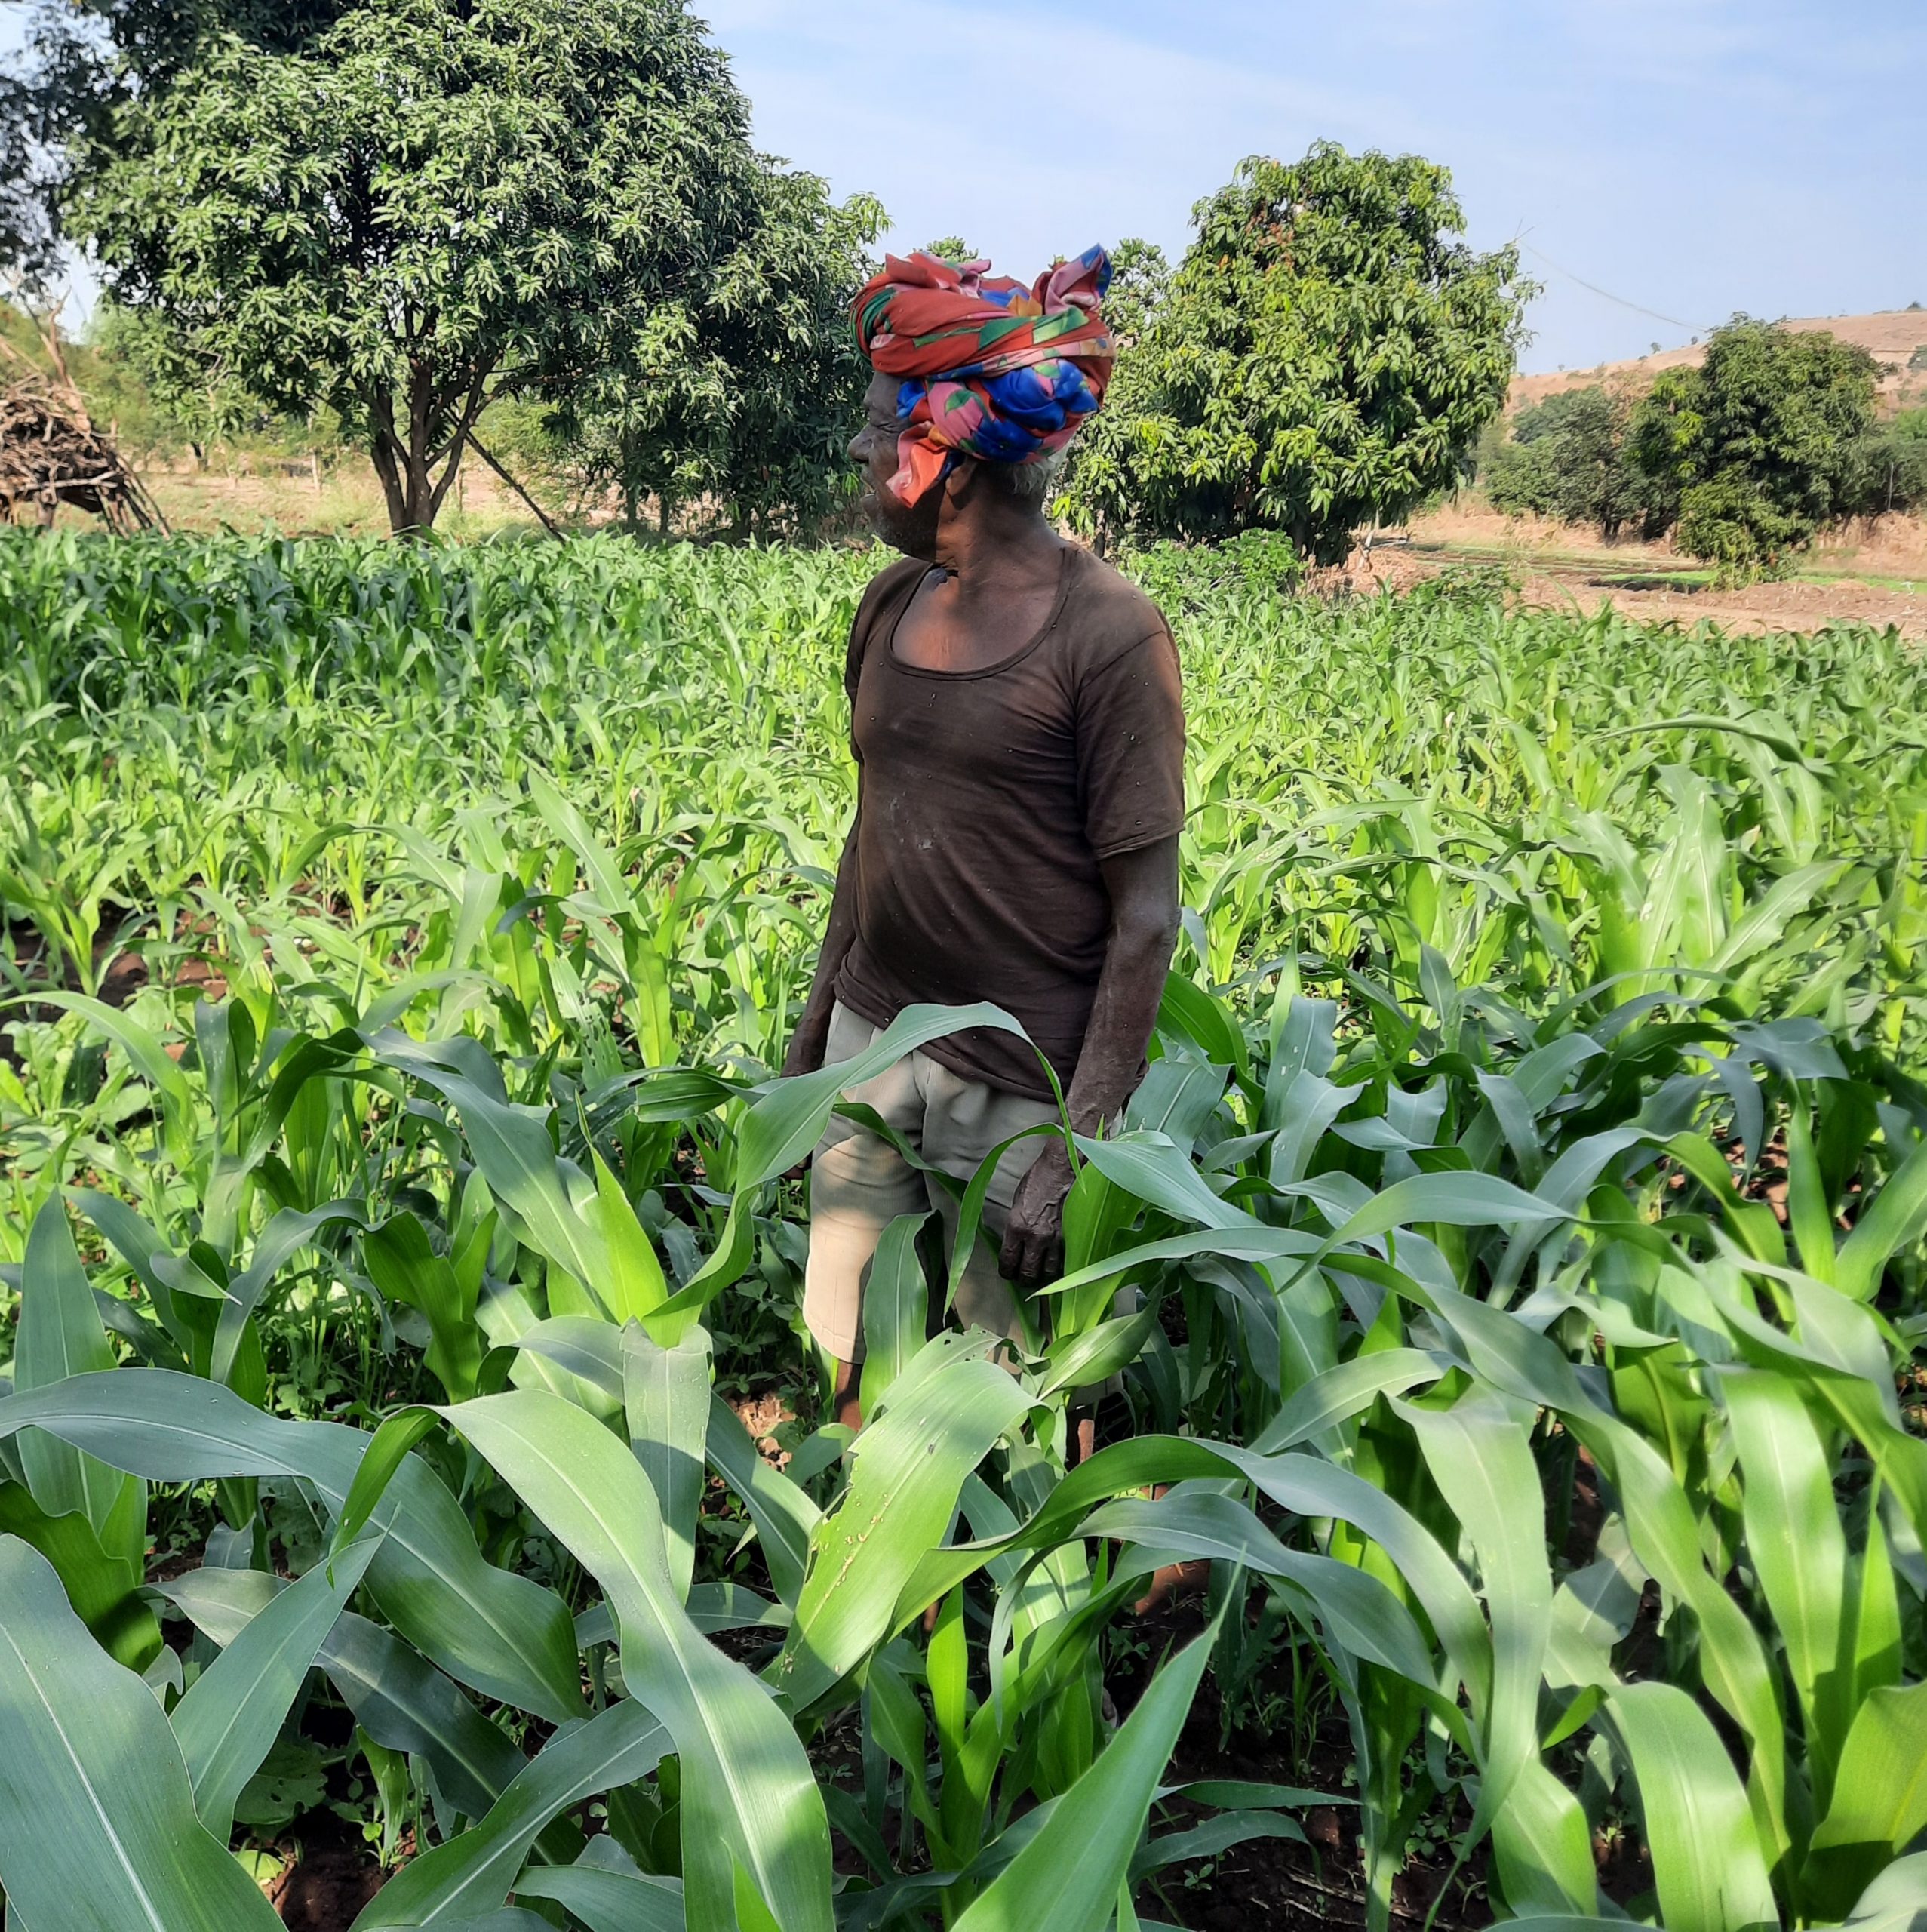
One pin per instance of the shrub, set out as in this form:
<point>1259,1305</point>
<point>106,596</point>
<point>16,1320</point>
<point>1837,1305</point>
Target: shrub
<point>1763,441</point>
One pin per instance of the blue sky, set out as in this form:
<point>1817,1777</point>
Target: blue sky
<point>1690,157</point>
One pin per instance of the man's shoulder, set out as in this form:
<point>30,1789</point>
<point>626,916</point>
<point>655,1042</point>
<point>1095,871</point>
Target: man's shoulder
<point>1105,614</point>
<point>893,577</point>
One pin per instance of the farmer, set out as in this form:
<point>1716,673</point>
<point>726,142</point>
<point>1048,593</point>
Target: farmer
<point>1019,734</point>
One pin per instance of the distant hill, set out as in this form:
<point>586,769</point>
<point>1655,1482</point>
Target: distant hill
<point>1897,337</point>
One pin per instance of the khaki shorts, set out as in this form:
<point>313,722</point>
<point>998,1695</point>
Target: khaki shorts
<point>858,1184</point>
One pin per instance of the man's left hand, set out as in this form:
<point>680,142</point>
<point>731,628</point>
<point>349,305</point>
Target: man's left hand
<point>1034,1236</point>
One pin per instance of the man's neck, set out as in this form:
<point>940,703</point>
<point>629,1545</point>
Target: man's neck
<point>990,537</point>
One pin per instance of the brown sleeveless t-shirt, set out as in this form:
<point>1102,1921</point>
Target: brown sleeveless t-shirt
<point>986,799</point>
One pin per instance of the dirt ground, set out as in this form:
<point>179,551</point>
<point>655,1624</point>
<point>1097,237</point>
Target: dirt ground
<point>1879,577</point>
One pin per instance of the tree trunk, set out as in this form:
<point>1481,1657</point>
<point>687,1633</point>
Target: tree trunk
<point>407,464</point>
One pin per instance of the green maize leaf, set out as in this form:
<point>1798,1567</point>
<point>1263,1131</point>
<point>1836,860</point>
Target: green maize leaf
<point>387,1448</point>
<point>509,1918</point>
<point>1249,1242</point>
<point>1808,1210</point>
<point>1896,1901</point>
<point>784,1517</point>
<point>1870,1621</point>
<point>634,1288</point>
<point>1860,1396</point>
<point>748,1794</point>
<point>589,1353</point>
<point>1457,1200</point>
<point>1215,1836</point>
<point>1752,1222</point>
<point>1310,1105</point>
<point>403,1265</point>
<point>1086,1360</point>
<point>970,1208</point>
<point>1706,1858</point>
<point>789,1118</point>
<point>1160,1174</point>
<point>502,1634</point>
<point>1543,1842</point>
<point>283,1237</point>
<point>1478,1456</point>
<point>233,1712</point>
<point>896,1308</point>
<point>145,1253</point>
<point>60,1335</point>
<point>607,1901</point>
<point>911,1464</point>
<point>1235,1794</point>
<point>102,1586</point>
<point>97,1827</point>
<point>1663,1530</point>
<point>1310,1487</point>
<point>1795,1543</point>
<point>1067,1875</point>
<point>511,1146</point>
<point>475,1870</point>
<point>665,1392</point>
<point>1340,1392</point>
<point>401,1700</point>
<point>1357,1612</point>
<point>1561,1922</point>
<point>1896,1217</point>
<point>1879,1802</point>
<point>149,1057</point>
<point>1665,1535</point>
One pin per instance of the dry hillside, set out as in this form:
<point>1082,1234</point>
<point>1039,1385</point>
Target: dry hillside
<point>1897,338</point>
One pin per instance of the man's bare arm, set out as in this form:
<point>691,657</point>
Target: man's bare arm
<point>1143,887</point>
<point>813,1031</point>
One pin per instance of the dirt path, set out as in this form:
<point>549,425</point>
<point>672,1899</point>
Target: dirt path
<point>1879,579</point>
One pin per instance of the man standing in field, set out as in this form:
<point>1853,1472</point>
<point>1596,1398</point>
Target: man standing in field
<point>1018,734</point>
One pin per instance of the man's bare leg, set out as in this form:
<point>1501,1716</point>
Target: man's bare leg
<point>846,1404</point>
<point>1171,1579</point>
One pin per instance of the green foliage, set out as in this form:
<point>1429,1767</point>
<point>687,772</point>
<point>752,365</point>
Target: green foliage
<point>744,394</point>
<point>77,66</point>
<point>1140,284</point>
<point>1327,352</point>
<point>1762,441</point>
<point>1568,458</point>
<point>950,248</point>
<point>1895,456</point>
<point>424,205</point>
<point>1530,962</point>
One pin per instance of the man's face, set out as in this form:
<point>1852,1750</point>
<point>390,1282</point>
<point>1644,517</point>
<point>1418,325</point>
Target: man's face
<point>911,528</point>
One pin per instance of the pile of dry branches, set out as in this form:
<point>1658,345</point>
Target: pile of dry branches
<point>50,454</point>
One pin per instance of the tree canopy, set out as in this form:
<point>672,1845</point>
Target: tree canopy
<point>424,204</point>
<point>1764,441</point>
<point>746,393</point>
<point>1328,350</point>
<point>1568,458</point>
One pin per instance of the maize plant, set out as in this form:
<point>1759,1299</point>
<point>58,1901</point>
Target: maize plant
<point>1512,1263</point>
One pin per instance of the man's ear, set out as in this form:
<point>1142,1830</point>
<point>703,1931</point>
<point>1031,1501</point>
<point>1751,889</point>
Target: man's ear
<point>965,482</point>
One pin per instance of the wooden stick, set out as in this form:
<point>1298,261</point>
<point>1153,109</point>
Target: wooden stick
<point>475,443</point>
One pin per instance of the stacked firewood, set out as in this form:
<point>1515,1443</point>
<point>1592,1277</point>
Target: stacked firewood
<point>50,454</point>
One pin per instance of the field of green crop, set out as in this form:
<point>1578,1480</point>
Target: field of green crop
<point>1524,1207</point>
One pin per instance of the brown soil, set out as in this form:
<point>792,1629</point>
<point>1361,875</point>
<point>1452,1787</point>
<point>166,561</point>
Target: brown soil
<point>332,1878</point>
<point>1561,568</point>
<point>1278,1885</point>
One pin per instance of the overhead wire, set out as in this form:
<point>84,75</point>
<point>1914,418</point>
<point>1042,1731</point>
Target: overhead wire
<point>1638,308</point>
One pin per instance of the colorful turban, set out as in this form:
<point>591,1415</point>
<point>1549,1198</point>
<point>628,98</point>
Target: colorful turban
<point>990,369</point>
